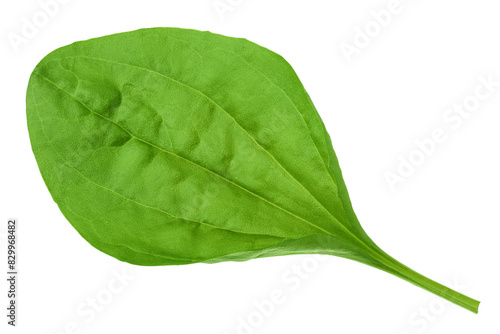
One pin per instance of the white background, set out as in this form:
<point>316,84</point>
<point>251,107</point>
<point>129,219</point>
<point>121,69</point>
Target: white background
<point>442,221</point>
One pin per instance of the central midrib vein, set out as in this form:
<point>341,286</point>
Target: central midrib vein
<point>373,253</point>
<point>338,223</point>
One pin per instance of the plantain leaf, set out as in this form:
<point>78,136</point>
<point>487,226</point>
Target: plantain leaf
<point>170,146</point>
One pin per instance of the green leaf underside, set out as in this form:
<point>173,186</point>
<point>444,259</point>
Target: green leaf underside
<point>171,146</point>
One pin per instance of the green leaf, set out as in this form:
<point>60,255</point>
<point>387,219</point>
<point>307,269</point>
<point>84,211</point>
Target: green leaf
<point>171,146</point>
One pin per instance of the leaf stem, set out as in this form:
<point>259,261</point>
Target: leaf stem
<point>400,270</point>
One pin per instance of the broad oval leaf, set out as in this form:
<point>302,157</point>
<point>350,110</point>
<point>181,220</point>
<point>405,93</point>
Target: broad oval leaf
<point>170,146</point>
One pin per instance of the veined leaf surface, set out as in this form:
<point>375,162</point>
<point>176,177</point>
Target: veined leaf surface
<point>170,146</point>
